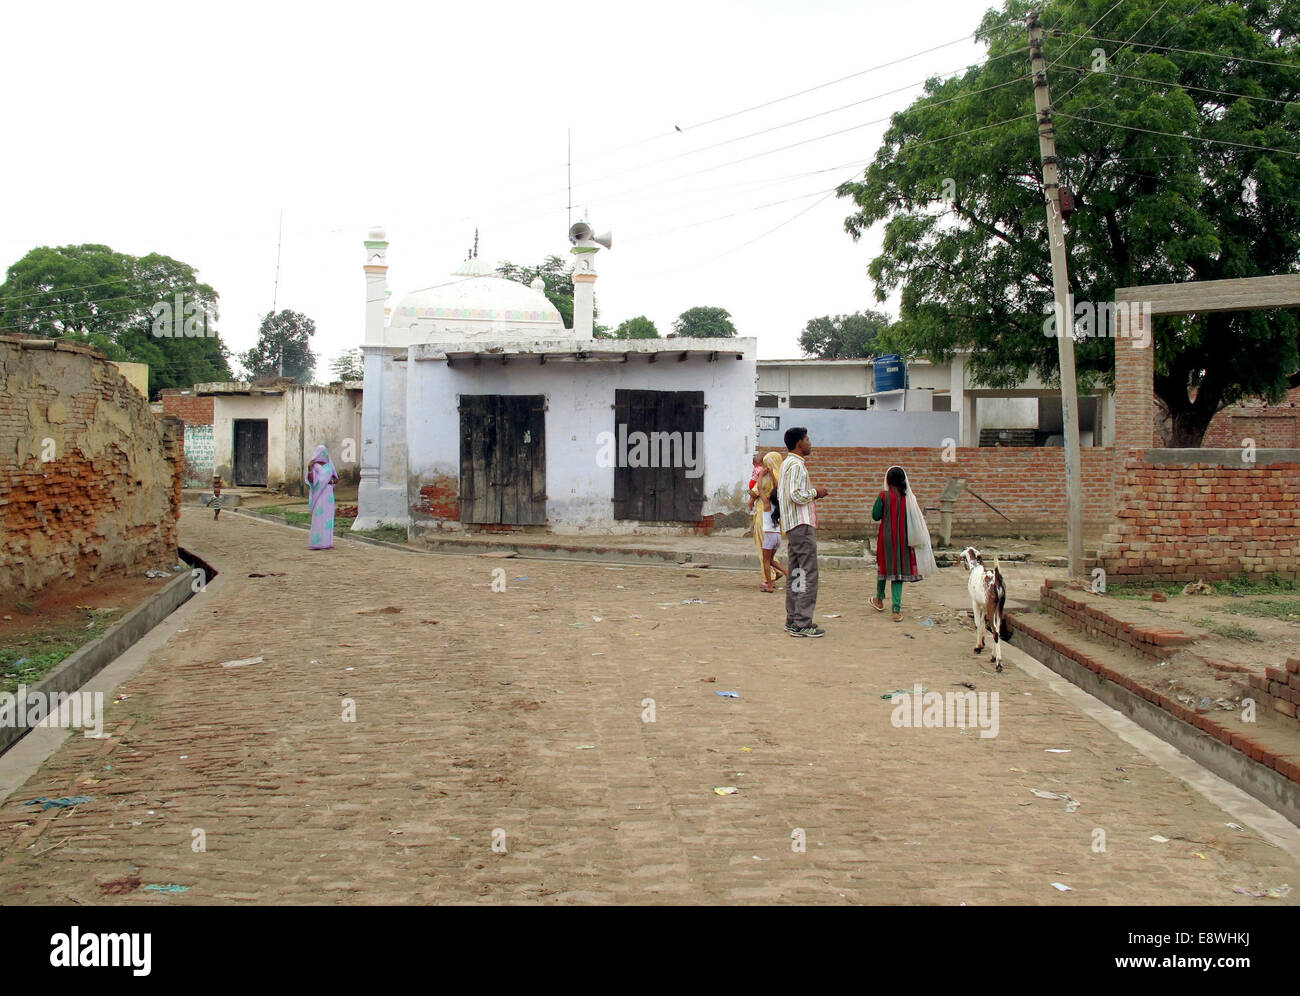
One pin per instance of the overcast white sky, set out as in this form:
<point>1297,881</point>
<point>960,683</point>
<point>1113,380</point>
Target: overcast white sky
<point>185,129</point>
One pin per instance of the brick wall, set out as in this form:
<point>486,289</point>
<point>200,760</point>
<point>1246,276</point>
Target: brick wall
<point>1279,688</point>
<point>188,407</point>
<point>1269,425</point>
<point>1182,520</point>
<point>1086,613</point>
<point>1027,484</point>
<point>90,479</point>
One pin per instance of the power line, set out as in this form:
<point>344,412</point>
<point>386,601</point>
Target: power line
<point>1192,51</point>
<point>969,36</point>
<point>1188,86</point>
<point>733,114</point>
<point>734,214</point>
<point>1171,134</point>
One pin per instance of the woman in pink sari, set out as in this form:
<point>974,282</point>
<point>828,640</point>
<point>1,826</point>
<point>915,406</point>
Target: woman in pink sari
<point>321,478</point>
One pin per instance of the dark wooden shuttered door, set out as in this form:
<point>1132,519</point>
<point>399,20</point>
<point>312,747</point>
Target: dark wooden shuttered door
<point>663,493</point>
<point>503,459</point>
<point>250,452</point>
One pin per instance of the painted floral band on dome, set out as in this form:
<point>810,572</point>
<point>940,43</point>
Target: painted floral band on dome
<point>478,313</point>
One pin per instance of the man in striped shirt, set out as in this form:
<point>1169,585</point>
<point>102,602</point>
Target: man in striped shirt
<point>798,502</point>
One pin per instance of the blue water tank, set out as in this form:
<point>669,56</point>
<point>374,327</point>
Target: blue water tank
<point>891,373</point>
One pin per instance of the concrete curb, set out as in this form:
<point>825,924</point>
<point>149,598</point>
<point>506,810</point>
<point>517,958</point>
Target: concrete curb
<point>578,553</point>
<point>87,661</point>
<point>1270,787</point>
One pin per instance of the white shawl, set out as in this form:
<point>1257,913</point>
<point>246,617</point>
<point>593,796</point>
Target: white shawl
<point>918,535</point>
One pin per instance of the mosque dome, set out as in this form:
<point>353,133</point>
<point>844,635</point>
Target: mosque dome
<point>476,301</point>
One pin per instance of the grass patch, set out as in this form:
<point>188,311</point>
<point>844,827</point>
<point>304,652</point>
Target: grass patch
<point>1144,589</point>
<point>342,526</point>
<point>1267,608</point>
<point>1232,631</point>
<point>40,653</point>
<point>1271,585</point>
<point>392,534</point>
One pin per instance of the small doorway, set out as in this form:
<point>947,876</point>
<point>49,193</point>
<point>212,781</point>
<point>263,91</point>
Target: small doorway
<point>250,452</point>
<point>503,459</point>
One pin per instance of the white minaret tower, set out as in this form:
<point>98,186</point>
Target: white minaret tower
<point>585,246</point>
<point>376,267</point>
<point>376,284</point>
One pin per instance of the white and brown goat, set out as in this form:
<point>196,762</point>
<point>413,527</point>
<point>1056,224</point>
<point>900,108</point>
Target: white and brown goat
<point>988,602</point>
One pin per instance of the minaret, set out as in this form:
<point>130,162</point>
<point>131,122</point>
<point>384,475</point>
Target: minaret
<point>376,284</point>
<point>585,246</point>
<point>376,267</point>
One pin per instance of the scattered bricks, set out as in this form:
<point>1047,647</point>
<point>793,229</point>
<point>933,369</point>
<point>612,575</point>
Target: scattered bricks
<point>1276,674</point>
<point>1259,682</point>
<point>1286,708</point>
<point>1293,665</point>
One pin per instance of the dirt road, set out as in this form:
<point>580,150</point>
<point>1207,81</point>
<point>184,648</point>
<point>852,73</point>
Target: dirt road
<point>554,742</point>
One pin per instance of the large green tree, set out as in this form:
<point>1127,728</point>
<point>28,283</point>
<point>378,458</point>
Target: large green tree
<point>1184,165</point>
<point>704,323</point>
<point>114,301</point>
<point>283,348</point>
<point>843,337</point>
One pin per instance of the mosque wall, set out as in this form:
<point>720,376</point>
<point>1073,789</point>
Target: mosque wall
<point>580,407</point>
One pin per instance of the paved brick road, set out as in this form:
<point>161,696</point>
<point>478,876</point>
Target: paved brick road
<point>477,723</point>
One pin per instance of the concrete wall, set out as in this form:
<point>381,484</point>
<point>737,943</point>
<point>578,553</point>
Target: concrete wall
<point>580,398</point>
<point>136,374</point>
<point>320,416</point>
<point>89,478</point>
<point>382,498</point>
<point>227,409</point>
<point>298,421</point>
<point>845,427</point>
<point>198,456</point>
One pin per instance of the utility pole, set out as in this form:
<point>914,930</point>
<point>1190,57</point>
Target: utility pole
<point>1061,290</point>
<point>275,292</point>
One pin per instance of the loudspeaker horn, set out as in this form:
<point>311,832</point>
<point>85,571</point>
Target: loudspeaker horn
<point>582,232</point>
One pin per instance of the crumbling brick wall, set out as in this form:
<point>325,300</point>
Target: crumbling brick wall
<point>90,479</point>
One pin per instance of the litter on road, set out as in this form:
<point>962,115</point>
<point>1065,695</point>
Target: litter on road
<point>61,803</point>
<point>245,661</point>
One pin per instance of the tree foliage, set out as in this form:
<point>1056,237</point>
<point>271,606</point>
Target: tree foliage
<point>556,273</point>
<point>958,184</point>
<point>704,323</point>
<point>283,348</point>
<point>95,296</point>
<point>639,327</point>
<point>349,365</point>
<point>843,337</point>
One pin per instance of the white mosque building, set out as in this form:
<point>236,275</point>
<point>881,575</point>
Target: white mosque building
<point>482,411</point>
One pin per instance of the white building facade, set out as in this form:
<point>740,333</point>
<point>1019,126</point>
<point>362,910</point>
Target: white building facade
<point>483,411</point>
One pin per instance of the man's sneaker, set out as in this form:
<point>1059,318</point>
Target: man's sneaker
<point>791,629</point>
<point>807,631</point>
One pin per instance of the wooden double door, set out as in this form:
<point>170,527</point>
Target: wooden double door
<point>503,459</point>
<point>664,488</point>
